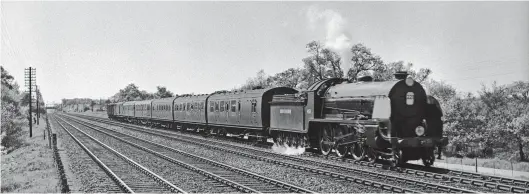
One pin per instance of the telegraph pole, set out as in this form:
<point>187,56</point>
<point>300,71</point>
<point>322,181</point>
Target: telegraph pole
<point>30,81</point>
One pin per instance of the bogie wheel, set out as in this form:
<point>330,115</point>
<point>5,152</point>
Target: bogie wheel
<point>358,151</point>
<point>429,158</point>
<point>325,138</point>
<point>398,159</point>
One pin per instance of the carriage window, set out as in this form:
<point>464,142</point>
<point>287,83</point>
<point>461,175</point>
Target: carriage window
<point>233,105</point>
<point>222,106</point>
<point>216,106</point>
<point>227,106</point>
<point>239,104</point>
<point>211,107</point>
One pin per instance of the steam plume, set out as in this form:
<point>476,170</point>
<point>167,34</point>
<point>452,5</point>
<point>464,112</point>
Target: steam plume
<point>337,37</point>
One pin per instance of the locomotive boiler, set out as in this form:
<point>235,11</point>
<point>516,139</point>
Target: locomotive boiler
<point>394,120</point>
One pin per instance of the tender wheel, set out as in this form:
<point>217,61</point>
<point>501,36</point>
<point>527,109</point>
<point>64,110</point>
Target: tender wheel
<point>358,151</point>
<point>275,138</point>
<point>290,140</point>
<point>297,140</point>
<point>325,138</point>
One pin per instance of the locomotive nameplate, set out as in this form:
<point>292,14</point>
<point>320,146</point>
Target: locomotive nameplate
<point>285,111</point>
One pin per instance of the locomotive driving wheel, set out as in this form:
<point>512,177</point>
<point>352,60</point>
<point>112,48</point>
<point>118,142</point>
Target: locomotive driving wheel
<point>325,139</point>
<point>372,155</point>
<point>341,150</point>
<point>358,151</point>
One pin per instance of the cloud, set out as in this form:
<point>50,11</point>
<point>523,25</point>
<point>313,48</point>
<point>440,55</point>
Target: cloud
<point>337,37</point>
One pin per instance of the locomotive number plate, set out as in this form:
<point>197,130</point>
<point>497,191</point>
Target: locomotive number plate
<point>285,111</point>
<point>409,98</point>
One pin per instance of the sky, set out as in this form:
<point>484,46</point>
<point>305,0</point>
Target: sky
<point>93,49</point>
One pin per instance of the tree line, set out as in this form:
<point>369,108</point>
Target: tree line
<point>15,111</point>
<point>322,63</point>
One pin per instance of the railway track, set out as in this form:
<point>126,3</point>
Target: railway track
<point>239,179</point>
<point>119,167</point>
<point>484,182</point>
<point>501,183</point>
<point>379,180</point>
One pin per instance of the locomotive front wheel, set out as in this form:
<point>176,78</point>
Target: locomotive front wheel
<point>429,158</point>
<point>358,151</point>
<point>325,147</point>
<point>398,159</point>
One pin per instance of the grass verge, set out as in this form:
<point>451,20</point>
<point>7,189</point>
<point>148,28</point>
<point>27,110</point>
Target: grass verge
<point>30,168</point>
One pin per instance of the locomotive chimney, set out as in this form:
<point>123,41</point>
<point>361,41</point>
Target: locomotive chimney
<point>400,75</point>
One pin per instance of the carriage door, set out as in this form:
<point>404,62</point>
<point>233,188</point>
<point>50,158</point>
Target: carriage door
<point>217,111</point>
<point>227,109</point>
<point>254,111</point>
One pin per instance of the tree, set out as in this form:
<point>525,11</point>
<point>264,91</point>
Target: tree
<point>292,77</point>
<point>129,93</point>
<point>261,80</point>
<point>385,72</point>
<point>363,62</point>
<point>162,92</point>
<point>322,63</point>
<point>440,90</point>
<point>518,111</point>
<point>7,79</point>
<point>13,116</point>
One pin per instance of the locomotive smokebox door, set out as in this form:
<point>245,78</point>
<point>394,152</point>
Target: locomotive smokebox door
<point>287,113</point>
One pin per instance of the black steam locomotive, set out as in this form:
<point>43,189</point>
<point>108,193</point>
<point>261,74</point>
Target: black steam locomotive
<point>394,120</point>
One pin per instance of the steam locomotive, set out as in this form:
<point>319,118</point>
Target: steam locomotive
<point>391,120</point>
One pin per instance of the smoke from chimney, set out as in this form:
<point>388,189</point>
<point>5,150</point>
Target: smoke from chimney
<point>337,38</point>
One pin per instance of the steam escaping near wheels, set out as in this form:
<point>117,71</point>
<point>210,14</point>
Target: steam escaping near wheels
<point>288,150</point>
